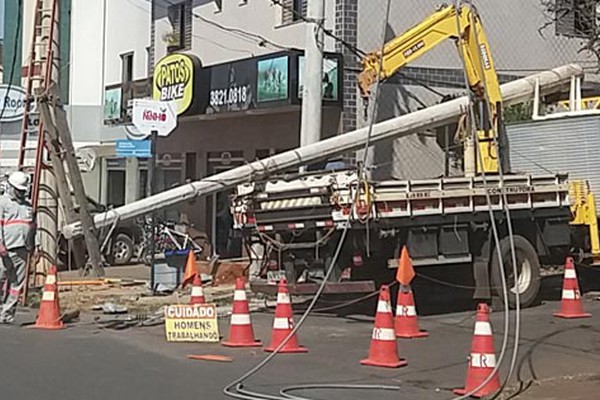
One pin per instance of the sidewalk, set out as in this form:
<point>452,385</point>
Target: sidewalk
<point>129,286</point>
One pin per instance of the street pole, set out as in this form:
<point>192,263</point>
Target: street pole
<point>312,95</point>
<point>48,215</point>
<point>150,188</point>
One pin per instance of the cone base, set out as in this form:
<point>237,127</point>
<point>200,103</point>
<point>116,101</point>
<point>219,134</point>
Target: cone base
<point>477,395</point>
<point>271,349</point>
<point>371,363</point>
<point>256,343</point>
<point>49,327</point>
<point>571,316</point>
<point>462,392</point>
<point>413,335</point>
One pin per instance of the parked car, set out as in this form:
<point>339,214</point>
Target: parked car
<point>121,247</point>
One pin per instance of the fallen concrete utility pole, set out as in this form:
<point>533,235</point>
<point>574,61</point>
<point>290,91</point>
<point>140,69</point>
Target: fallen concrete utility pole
<point>513,92</point>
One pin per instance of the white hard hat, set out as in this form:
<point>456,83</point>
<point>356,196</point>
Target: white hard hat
<point>19,180</point>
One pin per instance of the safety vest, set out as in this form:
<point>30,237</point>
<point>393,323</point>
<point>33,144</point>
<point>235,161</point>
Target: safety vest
<point>17,223</point>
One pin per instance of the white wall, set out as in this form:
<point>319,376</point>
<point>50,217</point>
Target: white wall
<point>214,45</point>
<point>101,31</point>
<point>127,30</point>
<point>86,52</point>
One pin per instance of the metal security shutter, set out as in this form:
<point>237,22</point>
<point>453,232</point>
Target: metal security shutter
<point>566,145</point>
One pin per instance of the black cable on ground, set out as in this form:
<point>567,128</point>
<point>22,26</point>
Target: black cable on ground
<point>285,391</point>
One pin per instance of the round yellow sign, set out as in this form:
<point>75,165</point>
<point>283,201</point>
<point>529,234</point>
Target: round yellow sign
<point>174,81</point>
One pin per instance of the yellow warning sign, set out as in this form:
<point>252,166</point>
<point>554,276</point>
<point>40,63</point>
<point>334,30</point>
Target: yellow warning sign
<point>191,323</point>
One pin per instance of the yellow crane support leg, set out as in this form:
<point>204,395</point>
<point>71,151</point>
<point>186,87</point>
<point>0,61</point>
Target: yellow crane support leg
<point>583,208</point>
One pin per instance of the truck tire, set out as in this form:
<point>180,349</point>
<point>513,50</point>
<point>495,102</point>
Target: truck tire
<point>122,250</point>
<point>529,271</point>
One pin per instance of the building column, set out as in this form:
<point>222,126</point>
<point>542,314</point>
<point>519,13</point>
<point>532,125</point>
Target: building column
<point>346,25</point>
<point>132,179</point>
<point>104,181</point>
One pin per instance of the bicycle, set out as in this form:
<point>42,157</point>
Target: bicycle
<point>166,238</point>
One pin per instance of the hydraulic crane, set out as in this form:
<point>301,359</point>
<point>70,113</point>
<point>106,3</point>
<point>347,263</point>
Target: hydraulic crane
<point>462,25</point>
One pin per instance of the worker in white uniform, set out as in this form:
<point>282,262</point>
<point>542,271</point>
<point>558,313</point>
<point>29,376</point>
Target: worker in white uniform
<point>17,241</point>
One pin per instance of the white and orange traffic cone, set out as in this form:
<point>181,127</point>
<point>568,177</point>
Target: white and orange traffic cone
<point>49,316</point>
<point>384,350</point>
<point>482,360</point>
<point>406,323</point>
<point>197,296</point>
<point>283,323</point>
<point>571,303</point>
<point>241,333</point>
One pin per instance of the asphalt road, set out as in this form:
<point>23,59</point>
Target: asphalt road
<point>86,362</point>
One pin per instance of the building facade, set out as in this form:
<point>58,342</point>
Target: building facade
<point>250,54</point>
<point>93,54</point>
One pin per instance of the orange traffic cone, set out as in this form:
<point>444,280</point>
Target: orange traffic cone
<point>571,304</point>
<point>190,269</point>
<point>284,323</point>
<point>406,323</point>
<point>197,296</point>
<point>482,360</point>
<point>240,332</point>
<point>384,350</point>
<point>49,315</point>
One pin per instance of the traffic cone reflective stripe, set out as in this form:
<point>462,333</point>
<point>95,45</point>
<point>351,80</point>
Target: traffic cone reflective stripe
<point>241,333</point>
<point>485,360</point>
<point>49,316</point>
<point>197,296</point>
<point>283,298</point>
<point>571,303</point>
<point>50,279</point>
<point>383,351</point>
<point>238,319</point>
<point>483,328</point>
<point>48,296</point>
<point>482,359</point>
<point>406,323</point>
<point>283,323</point>
<point>239,295</point>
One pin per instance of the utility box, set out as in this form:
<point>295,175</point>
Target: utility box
<point>569,144</point>
<point>168,269</point>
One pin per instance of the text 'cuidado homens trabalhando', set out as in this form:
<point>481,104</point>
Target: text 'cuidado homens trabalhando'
<point>191,323</point>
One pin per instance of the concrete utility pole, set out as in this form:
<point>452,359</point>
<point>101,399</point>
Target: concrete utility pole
<point>513,92</point>
<point>312,93</point>
<point>48,210</point>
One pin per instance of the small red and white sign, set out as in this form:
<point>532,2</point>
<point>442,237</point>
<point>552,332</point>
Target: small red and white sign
<point>152,115</point>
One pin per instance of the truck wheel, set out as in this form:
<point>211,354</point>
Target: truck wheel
<point>528,266</point>
<point>122,250</point>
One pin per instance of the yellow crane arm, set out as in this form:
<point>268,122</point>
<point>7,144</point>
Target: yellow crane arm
<point>478,63</point>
